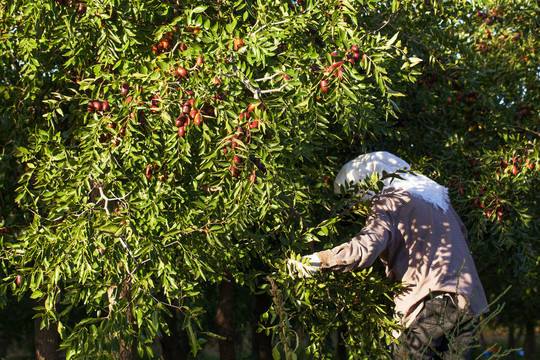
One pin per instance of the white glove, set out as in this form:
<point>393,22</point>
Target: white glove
<point>304,270</point>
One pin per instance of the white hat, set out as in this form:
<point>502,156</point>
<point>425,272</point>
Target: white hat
<point>358,169</point>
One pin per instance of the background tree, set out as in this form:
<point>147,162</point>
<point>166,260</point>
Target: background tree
<point>473,118</point>
<point>165,148</point>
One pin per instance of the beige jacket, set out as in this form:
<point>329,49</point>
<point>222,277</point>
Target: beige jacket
<point>420,245</point>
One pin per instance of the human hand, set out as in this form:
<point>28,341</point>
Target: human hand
<point>302,269</point>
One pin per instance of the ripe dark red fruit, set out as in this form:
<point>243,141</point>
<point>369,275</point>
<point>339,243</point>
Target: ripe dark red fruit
<point>105,106</point>
<point>186,108</point>
<point>354,48</point>
<point>180,120</point>
<point>165,43</point>
<point>97,105</point>
<point>90,106</point>
<point>238,43</point>
<point>237,159</point>
<point>197,119</point>
<point>148,171</point>
<point>461,191</point>
<point>124,89</point>
<point>515,170</point>
<point>200,60</point>
<point>324,85</point>
<point>477,202</point>
<point>340,73</point>
<point>235,172</point>
<point>182,71</point>
<point>181,131</point>
<point>81,10</point>
<point>18,280</point>
<point>253,124</point>
<point>251,107</point>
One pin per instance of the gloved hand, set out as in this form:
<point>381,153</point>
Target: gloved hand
<point>304,270</point>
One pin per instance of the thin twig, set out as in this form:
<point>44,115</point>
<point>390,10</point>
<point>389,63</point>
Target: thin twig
<point>264,26</point>
<point>273,90</point>
<point>106,199</point>
<point>268,77</point>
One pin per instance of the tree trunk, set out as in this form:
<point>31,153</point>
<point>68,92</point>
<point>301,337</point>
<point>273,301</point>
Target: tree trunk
<point>127,350</point>
<point>341,349</point>
<point>45,340</point>
<point>511,337</point>
<point>261,343</point>
<point>174,346</point>
<point>529,347</point>
<point>224,320</point>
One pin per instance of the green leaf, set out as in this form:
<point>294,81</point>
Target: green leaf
<point>275,353</point>
<point>199,9</point>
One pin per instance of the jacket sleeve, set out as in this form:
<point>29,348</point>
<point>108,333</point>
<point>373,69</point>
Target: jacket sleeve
<point>362,250</point>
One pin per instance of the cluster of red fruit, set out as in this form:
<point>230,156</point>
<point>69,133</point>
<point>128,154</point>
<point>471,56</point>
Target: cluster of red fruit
<point>514,166</point>
<point>482,47</point>
<point>81,9</point>
<point>166,42</point>
<point>493,207</point>
<point>102,107</point>
<point>353,56</point>
<point>181,73</point>
<point>428,79</point>
<point>468,99</point>
<point>150,171</point>
<point>489,18</point>
<point>243,134</point>
<point>191,114</point>
<point>98,106</point>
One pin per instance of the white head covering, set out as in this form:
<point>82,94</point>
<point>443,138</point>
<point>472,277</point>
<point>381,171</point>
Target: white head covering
<point>358,169</point>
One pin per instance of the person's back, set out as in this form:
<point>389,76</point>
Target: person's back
<point>421,240</point>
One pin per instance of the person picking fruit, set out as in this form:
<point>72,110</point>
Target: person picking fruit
<point>422,243</point>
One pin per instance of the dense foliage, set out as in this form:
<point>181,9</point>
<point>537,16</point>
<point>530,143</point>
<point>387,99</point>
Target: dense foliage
<point>163,147</point>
